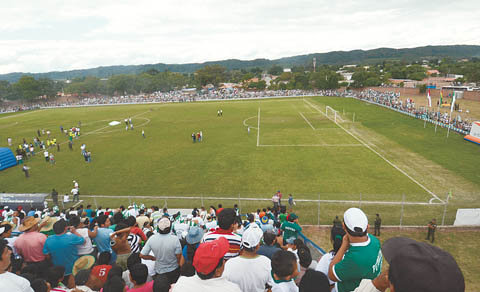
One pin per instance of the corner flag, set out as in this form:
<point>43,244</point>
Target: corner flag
<point>429,98</point>
<point>453,103</point>
<point>441,97</point>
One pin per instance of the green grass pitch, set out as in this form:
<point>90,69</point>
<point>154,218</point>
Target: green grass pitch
<point>297,150</point>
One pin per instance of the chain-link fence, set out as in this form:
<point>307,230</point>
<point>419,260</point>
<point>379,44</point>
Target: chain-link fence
<point>317,211</point>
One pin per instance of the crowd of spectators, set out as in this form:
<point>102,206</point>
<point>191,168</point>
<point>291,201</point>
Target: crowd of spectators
<point>392,100</point>
<point>148,249</point>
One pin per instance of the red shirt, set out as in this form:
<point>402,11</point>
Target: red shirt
<point>101,272</point>
<point>139,232</point>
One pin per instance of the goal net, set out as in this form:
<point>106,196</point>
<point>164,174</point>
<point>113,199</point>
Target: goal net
<point>333,114</point>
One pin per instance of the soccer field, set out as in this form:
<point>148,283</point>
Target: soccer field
<point>292,146</point>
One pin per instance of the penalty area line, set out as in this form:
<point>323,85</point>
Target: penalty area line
<point>378,154</point>
<point>311,126</point>
<point>258,129</point>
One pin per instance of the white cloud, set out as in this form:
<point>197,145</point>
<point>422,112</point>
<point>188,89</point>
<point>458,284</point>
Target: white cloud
<point>40,36</point>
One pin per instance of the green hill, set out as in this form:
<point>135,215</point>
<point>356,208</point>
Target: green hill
<point>330,58</point>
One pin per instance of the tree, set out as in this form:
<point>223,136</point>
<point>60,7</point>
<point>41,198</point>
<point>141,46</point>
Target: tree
<point>275,70</point>
<point>6,90</point>
<point>27,88</point>
<point>422,88</point>
<point>214,74</point>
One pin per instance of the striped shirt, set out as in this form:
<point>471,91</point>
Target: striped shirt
<point>233,239</point>
<point>134,241</point>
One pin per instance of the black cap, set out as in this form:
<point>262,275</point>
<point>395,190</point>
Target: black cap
<point>419,266</point>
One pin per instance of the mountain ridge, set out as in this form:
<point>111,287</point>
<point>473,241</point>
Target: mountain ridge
<point>329,58</point>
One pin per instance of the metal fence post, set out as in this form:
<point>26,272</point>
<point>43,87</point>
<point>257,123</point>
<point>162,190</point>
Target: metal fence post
<point>445,207</point>
<point>318,215</point>
<point>401,210</point>
<point>201,198</point>
<point>239,204</point>
<point>129,201</point>
<point>95,202</point>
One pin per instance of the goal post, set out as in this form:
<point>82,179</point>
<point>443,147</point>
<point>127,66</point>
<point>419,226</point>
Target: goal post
<point>333,114</point>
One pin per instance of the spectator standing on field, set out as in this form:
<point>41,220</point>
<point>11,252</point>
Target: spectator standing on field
<point>55,197</point>
<point>378,224</point>
<point>76,196</point>
<point>291,202</point>
<point>432,226</point>
<point>25,169</point>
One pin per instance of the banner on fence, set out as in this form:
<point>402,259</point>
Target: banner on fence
<point>24,200</point>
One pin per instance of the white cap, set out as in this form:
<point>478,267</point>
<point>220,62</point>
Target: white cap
<point>251,236</point>
<point>355,218</point>
<point>163,223</point>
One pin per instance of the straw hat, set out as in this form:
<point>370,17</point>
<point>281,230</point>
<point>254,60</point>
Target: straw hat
<point>28,223</point>
<point>49,226</point>
<point>83,263</point>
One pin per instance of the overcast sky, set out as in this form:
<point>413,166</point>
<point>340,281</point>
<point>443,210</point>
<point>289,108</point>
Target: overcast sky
<point>42,36</point>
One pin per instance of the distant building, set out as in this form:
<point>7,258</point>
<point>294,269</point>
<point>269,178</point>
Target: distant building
<point>189,91</point>
<point>431,72</point>
<point>287,70</point>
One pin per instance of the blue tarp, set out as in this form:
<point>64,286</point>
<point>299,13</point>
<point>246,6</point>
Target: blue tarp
<point>7,158</point>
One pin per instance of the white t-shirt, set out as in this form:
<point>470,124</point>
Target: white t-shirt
<point>249,274</point>
<point>211,225</point>
<point>74,191</point>
<point>324,264</point>
<point>211,285</point>
<point>14,283</point>
<point>288,286</point>
<point>87,247</point>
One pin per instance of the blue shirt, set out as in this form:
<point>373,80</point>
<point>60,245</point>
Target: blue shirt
<point>89,213</point>
<point>184,251</point>
<point>31,213</point>
<point>267,250</point>
<point>63,250</point>
<point>102,240</point>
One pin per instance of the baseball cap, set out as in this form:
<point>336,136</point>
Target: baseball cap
<point>163,223</point>
<point>355,220</point>
<point>292,216</point>
<point>419,266</point>
<point>251,236</point>
<point>208,255</point>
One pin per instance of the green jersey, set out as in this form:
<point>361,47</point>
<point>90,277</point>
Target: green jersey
<point>361,261</point>
<point>282,217</point>
<point>290,229</point>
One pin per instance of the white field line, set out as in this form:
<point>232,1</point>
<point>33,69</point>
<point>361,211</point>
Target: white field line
<point>314,145</point>
<point>258,129</point>
<point>245,122</point>
<point>311,126</point>
<point>379,155</point>
<point>261,198</point>
<point>13,116</point>
<point>8,125</point>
